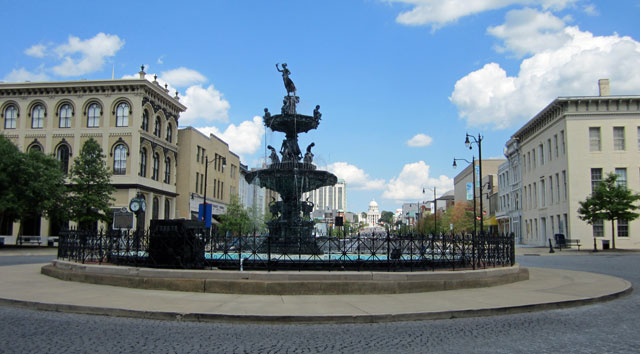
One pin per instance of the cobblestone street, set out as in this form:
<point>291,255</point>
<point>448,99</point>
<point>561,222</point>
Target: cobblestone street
<point>609,327</point>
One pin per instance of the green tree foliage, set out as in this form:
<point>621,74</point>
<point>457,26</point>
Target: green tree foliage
<point>10,162</point>
<point>609,201</point>
<point>31,184</point>
<point>236,221</point>
<point>427,224</point>
<point>91,188</point>
<point>460,215</point>
<point>386,217</point>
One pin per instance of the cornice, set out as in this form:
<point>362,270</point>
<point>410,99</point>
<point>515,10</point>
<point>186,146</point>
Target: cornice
<point>565,106</point>
<point>85,87</point>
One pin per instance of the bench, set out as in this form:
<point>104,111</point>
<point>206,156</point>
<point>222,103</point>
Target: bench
<point>30,239</point>
<point>567,243</point>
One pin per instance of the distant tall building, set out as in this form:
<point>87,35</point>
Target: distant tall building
<point>329,197</point>
<point>252,195</point>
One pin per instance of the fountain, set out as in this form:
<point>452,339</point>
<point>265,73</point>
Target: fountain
<point>291,230</point>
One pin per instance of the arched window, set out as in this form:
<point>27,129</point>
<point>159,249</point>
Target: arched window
<point>65,116</point>
<point>37,117</point>
<point>122,115</point>
<point>157,130</point>
<point>120,160</point>
<point>35,147</point>
<point>63,156</point>
<point>93,115</point>
<point>155,208</point>
<point>156,167</point>
<point>145,121</point>
<point>169,133</point>
<point>167,209</point>
<point>10,117</point>
<point>143,162</point>
<point>167,170</point>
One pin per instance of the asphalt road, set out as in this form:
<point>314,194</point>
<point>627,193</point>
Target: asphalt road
<point>610,327</point>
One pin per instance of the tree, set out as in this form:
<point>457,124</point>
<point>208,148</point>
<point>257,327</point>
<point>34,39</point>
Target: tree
<point>91,188</point>
<point>39,187</point>
<point>386,217</point>
<point>31,185</point>
<point>236,220</point>
<point>427,224</point>
<point>460,215</point>
<point>9,168</point>
<point>609,201</point>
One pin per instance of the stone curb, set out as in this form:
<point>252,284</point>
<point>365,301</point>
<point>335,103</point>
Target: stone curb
<point>309,319</point>
<point>284,283</point>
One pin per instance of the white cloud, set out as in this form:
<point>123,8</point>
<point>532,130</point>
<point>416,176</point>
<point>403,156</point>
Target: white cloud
<point>22,74</point>
<point>183,77</point>
<point>591,10</point>
<point>439,13</point>
<point>412,179</point>
<point>355,177</point>
<point>420,140</point>
<point>244,138</point>
<point>85,56</point>
<point>36,50</point>
<point>529,31</point>
<point>491,98</point>
<point>207,104</point>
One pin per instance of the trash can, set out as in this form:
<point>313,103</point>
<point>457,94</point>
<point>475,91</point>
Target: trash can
<point>605,244</point>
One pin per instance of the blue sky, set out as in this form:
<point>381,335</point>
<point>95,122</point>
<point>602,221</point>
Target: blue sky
<point>399,82</point>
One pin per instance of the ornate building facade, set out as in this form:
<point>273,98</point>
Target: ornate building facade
<point>135,121</point>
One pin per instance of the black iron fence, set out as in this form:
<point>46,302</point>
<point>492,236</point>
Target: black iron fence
<point>382,252</point>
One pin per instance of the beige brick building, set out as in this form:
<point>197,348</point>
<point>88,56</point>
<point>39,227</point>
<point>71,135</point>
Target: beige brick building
<point>222,174</point>
<point>136,123</point>
<point>565,150</point>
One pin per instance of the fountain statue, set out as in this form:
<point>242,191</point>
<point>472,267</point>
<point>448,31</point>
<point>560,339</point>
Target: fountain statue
<point>291,229</point>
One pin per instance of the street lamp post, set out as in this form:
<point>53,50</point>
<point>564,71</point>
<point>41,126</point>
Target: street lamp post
<point>467,143</point>
<point>473,184</point>
<point>206,170</point>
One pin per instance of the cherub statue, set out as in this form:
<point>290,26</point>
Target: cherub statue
<point>308,156</point>
<point>316,113</point>
<point>274,155</point>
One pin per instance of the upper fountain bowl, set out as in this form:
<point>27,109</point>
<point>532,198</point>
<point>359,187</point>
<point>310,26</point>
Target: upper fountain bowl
<point>291,124</point>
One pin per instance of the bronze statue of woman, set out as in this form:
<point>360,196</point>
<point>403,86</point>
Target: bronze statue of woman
<point>288,84</point>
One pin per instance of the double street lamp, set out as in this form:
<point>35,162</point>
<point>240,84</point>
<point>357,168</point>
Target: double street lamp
<point>467,143</point>
<point>475,218</point>
<point>223,160</point>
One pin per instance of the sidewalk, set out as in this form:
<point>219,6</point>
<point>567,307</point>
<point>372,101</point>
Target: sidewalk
<point>23,285</point>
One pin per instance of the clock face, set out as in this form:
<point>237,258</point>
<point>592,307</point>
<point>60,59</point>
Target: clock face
<point>143,205</point>
<point>134,206</point>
